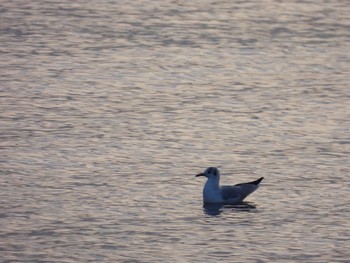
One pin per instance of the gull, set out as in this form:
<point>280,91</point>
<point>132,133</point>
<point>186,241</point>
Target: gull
<point>215,194</point>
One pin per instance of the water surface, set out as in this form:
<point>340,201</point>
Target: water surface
<point>109,109</point>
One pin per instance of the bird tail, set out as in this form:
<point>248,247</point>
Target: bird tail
<point>256,182</point>
<point>248,188</point>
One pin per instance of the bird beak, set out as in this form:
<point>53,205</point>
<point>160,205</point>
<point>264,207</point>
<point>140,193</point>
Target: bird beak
<point>201,174</point>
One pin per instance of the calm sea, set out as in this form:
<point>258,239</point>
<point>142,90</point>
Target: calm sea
<point>109,108</point>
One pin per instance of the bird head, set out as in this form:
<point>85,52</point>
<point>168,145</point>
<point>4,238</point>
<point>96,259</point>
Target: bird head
<point>210,172</point>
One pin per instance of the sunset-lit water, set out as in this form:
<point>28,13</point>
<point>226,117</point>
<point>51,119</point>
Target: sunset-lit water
<point>109,109</point>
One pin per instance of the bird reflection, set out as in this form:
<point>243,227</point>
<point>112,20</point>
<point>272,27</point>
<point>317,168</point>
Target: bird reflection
<point>217,209</point>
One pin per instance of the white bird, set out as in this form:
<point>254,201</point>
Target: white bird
<point>213,193</point>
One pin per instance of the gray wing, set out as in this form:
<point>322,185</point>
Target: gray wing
<point>239,191</point>
<point>248,188</point>
<point>231,193</point>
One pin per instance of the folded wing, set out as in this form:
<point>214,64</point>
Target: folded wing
<point>239,192</point>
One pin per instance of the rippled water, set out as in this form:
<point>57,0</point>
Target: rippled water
<point>109,109</point>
